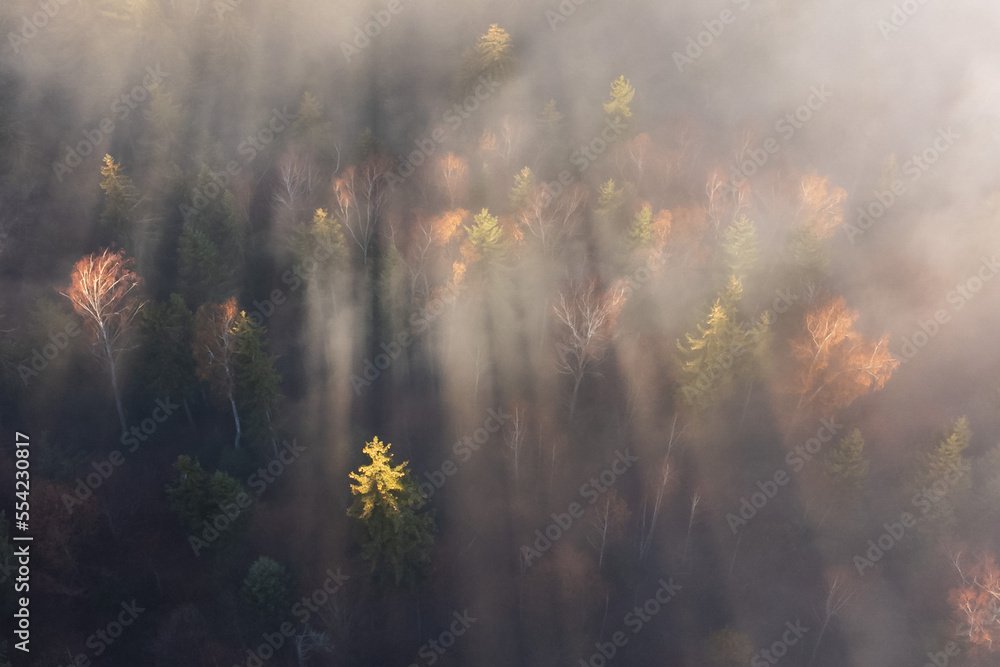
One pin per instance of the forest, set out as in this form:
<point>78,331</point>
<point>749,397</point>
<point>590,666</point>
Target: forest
<point>343,333</point>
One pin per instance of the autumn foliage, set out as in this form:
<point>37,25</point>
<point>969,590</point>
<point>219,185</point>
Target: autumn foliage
<point>836,364</point>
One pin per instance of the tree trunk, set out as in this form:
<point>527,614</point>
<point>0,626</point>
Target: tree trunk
<point>236,418</point>
<point>576,389</point>
<point>114,384</point>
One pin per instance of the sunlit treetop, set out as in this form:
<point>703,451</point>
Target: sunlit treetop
<point>617,108</point>
<point>494,49</point>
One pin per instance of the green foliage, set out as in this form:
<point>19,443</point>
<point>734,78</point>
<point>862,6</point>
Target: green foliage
<point>398,537</point>
<point>486,235</point>
<point>617,108</point>
<point>708,364</point>
<point>640,233</point>
<point>846,463</point>
<point>609,200</point>
<point>728,648</point>
<point>196,497</point>
<point>267,588</point>
<point>120,199</point>
<point>524,185</point>
<point>257,381</point>
<point>944,470</point>
<point>166,124</point>
<point>324,232</point>
<point>739,245</point>
<point>166,334</point>
<point>210,250</point>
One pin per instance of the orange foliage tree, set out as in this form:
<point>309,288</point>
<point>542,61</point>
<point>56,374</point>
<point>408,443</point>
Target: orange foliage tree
<point>837,364</point>
<point>105,292</point>
<point>822,207</point>
<point>977,601</point>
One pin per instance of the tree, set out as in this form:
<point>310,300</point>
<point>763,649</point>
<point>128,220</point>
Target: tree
<point>210,249</point>
<point>197,498</point>
<point>105,292</point>
<point>256,378</point>
<point>977,601</point>
<point>728,648</point>
<point>587,318</point>
<point>486,236</point>
<point>553,222</point>
<point>837,365</point>
<point>215,349</point>
<point>617,108</point>
<point>494,51</point>
<point>454,174</point>
<point>609,199</point>
<point>846,464</point>
<point>944,470</point>
<point>397,535</point>
<point>361,193</point>
<point>739,245</point>
<point>841,591</point>
<point>524,185</point>
<point>550,119</point>
<point>120,199</point>
<point>822,208</point>
<point>707,363</point>
<point>166,332</point>
<point>640,233</point>
<point>267,589</point>
<point>609,517</point>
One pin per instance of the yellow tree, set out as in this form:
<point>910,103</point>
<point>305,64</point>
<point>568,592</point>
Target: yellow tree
<point>617,108</point>
<point>105,292</point>
<point>494,50</point>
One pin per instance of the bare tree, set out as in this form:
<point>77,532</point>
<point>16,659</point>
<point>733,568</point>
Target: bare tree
<point>510,138</point>
<point>361,193</point>
<point>840,593</point>
<point>310,641</point>
<point>607,523</point>
<point>695,499</point>
<point>105,291</point>
<point>297,180</point>
<point>514,433</point>
<point>215,347</point>
<point>588,321</point>
<point>646,528</point>
<point>553,222</point>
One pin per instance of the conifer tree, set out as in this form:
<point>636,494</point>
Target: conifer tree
<point>120,199</point>
<point>397,535</point>
<point>617,108</point>
<point>739,245</point>
<point>641,231</point>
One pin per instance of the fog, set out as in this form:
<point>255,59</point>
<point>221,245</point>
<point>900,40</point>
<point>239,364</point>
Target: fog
<point>682,316</point>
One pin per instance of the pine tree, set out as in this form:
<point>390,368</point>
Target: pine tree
<point>617,108</point>
<point>550,119</point>
<point>397,536</point>
<point>494,51</point>
<point>120,199</point>
<point>524,185</point>
<point>197,497</point>
<point>707,363</point>
<point>641,232</point>
<point>267,589</point>
<point>486,236</point>
<point>199,270</point>
<point>324,232</point>
<point>257,381</point>
<point>166,333</point>
<point>739,245</point>
<point>846,464</point>
<point>609,200</point>
<point>944,472</point>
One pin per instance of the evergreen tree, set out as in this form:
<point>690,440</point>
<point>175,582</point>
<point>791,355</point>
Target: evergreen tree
<point>397,535</point>
<point>609,200</point>
<point>846,464</point>
<point>256,379</point>
<point>166,332</point>
<point>524,185</point>
<point>707,364</point>
<point>486,236</point>
<point>494,51</point>
<point>199,270</point>
<point>550,119</point>
<point>197,497</point>
<point>325,232</point>
<point>120,200</point>
<point>267,589</point>
<point>640,233</point>
<point>944,472</point>
<point>739,245</point>
<point>617,108</point>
